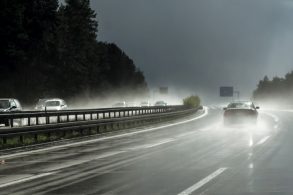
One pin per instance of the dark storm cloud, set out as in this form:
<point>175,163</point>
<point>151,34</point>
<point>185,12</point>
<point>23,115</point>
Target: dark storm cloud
<point>201,44</point>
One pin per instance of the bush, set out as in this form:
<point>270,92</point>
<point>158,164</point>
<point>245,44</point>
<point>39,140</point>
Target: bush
<point>192,101</point>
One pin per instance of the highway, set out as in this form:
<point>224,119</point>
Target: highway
<point>193,155</point>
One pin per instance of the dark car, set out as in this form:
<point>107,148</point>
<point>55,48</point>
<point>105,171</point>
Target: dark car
<point>240,112</point>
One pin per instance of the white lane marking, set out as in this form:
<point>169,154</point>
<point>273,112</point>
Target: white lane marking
<point>263,140</point>
<point>145,146</point>
<point>203,182</point>
<point>276,119</point>
<point>9,156</point>
<point>26,179</point>
<point>78,162</point>
<point>159,143</point>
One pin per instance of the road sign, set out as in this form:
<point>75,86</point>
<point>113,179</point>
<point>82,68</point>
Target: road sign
<point>226,91</point>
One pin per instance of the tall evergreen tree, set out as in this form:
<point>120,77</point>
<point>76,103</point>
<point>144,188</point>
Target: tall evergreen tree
<point>50,50</point>
<point>77,37</point>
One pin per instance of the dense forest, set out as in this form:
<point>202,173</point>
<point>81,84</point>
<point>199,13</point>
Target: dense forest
<point>277,89</point>
<point>52,50</point>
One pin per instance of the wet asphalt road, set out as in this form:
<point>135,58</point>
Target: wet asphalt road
<point>196,155</point>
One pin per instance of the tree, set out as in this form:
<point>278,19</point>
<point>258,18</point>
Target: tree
<point>26,44</point>
<point>192,101</point>
<point>76,44</point>
<point>52,51</point>
<point>277,89</point>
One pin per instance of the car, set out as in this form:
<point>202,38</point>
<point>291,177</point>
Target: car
<point>240,112</point>
<point>41,104</point>
<point>9,105</point>
<point>145,104</point>
<point>120,105</point>
<point>160,103</point>
<point>51,104</point>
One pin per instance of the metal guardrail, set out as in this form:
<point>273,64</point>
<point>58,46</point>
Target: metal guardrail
<point>36,122</point>
<point>32,118</point>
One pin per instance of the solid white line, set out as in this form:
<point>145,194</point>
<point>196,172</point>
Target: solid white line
<point>145,146</point>
<point>9,156</point>
<point>26,179</point>
<point>263,140</point>
<point>276,119</point>
<point>159,143</point>
<point>203,182</point>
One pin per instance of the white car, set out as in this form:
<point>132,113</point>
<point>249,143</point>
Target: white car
<point>145,104</point>
<point>120,105</point>
<point>51,104</point>
<point>8,105</point>
<point>160,103</point>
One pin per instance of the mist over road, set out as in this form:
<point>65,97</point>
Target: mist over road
<point>191,156</point>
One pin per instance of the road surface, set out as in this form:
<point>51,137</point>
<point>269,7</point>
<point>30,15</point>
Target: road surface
<point>195,155</point>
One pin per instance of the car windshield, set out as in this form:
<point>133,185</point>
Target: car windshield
<point>52,103</point>
<point>4,104</point>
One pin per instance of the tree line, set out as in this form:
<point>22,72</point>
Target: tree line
<point>51,50</point>
<point>276,89</point>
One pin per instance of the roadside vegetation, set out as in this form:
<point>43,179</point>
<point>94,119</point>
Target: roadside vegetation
<point>277,89</point>
<point>192,101</point>
<point>52,50</point>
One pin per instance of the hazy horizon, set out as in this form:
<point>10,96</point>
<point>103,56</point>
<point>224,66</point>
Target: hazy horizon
<point>198,46</point>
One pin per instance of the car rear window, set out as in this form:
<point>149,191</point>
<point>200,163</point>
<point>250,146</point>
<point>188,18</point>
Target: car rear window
<point>240,105</point>
<point>52,103</point>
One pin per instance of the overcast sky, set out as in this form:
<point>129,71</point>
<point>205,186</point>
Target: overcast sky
<point>199,45</point>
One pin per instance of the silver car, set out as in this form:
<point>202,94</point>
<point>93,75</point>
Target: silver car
<point>9,105</point>
<point>160,103</point>
<point>145,104</point>
<point>51,104</point>
<point>120,105</point>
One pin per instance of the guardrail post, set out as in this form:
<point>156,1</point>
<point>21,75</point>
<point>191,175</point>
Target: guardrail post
<point>4,140</point>
<point>67,117</point>
<point>21,139</point>
<point>49,136</point>
<point>47,119</point>
<point>11,122</point>
<point>36,138</point>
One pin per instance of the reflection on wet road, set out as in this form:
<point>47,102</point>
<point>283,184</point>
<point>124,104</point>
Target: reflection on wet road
<point>195,156</point>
